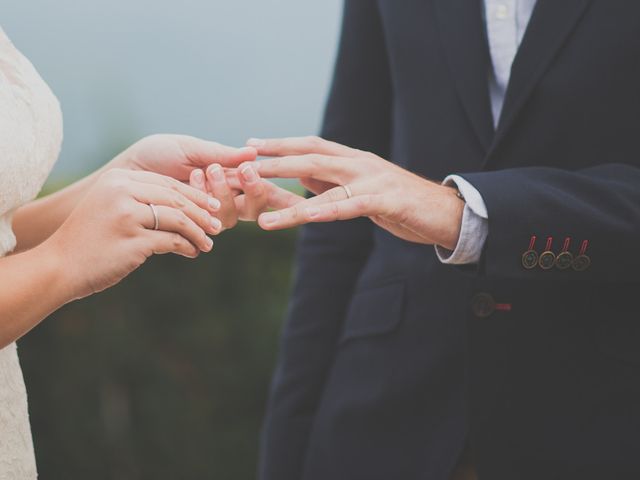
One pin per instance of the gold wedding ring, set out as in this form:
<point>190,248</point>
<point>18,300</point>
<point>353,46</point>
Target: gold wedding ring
<point>348,191</point>
<point>156,218</point>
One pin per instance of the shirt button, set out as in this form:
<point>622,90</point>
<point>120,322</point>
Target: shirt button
<point>502,12</point>
<point>483,305</point>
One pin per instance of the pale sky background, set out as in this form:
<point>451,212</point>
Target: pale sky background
<point>220,69</point>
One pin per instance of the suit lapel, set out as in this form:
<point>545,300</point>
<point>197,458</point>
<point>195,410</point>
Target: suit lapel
<point>550,26</point>
<point>464,42</point>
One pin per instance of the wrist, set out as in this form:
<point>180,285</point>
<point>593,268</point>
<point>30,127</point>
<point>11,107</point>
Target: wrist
<point>57,268</point>
<point>453,209</point>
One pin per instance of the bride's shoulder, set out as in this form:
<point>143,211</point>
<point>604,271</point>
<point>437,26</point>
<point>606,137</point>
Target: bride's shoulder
<point>5,41</point>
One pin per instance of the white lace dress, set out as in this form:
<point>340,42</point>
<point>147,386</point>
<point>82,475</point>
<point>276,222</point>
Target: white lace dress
<point>30,139</point>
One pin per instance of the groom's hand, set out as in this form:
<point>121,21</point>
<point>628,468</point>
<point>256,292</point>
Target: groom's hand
<point>242,193</point>
<point>351,183</point>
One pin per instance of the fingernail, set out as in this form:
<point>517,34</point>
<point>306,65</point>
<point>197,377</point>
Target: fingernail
<point>216,172</point>
<point>270,218</point>
<point>214,203</point>
<point>216,224</point>
<point>209,243</point>
<point>249,174</point>
<point>256,142</point>
<point>313,212</point>
<point>198,176</point>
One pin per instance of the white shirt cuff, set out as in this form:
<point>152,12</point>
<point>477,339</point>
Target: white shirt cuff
<point>474,229</point>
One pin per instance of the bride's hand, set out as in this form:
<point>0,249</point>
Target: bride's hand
<point>176,156</point>
<point>243,193</point>
<point>111,231</point>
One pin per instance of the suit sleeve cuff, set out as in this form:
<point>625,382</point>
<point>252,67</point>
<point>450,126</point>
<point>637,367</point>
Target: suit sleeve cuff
<point>474,229</point>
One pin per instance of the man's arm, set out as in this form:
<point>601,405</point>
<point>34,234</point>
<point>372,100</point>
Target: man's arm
<point>592,213</point>
<point>474,227</point>
<point>330,256</point>
<point>542,222</point>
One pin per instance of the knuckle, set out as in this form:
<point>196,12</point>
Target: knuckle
<point>275,162</point>
<point>117,190</point>
<point>147,250</point>
<point>257,191</point>
<point>334,210</point>
<point>124,213</point>
<point>363,202</point>
<point>177,242</point>
<point>201,197</point>
<point>181,219</point>
<point>178,201</point>
<point>334,195</point>
<point>315,161</point>
<point>313,140</point>
<point>172,183</point>
<point>231,222</point>
<point>295,213</point>
<point>115,179</point>
<point>119,205</point>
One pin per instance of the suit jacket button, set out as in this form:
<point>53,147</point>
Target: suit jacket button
<point>530,259</point>
<point>564,260</point>
<point>581,263</point>
<point>547,260</point>
<point>483,305</point>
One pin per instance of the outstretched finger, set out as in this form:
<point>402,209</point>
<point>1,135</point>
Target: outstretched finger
<point>316,187</point>
<point>336,170</point>
<point>219,188</point>
<point>197,196</point>
<point>255,193</point>
<point>298,214</point>
<point>176,221</point>
<point>280,147</point>
<point>311,212</point>
<point>149,194</point>
<point>280,198</point>
<point>277,198</point>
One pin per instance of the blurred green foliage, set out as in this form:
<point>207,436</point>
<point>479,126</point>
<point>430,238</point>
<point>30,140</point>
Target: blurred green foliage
<point>164,376</point>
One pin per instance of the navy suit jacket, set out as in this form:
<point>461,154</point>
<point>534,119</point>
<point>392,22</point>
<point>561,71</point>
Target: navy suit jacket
<point>391,361</point>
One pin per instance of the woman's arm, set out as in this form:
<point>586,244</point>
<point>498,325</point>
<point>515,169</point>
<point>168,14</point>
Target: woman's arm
<point>33,285</point>
<point>109,234</point>
<point>175,156</point>
<point>38,220</point>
